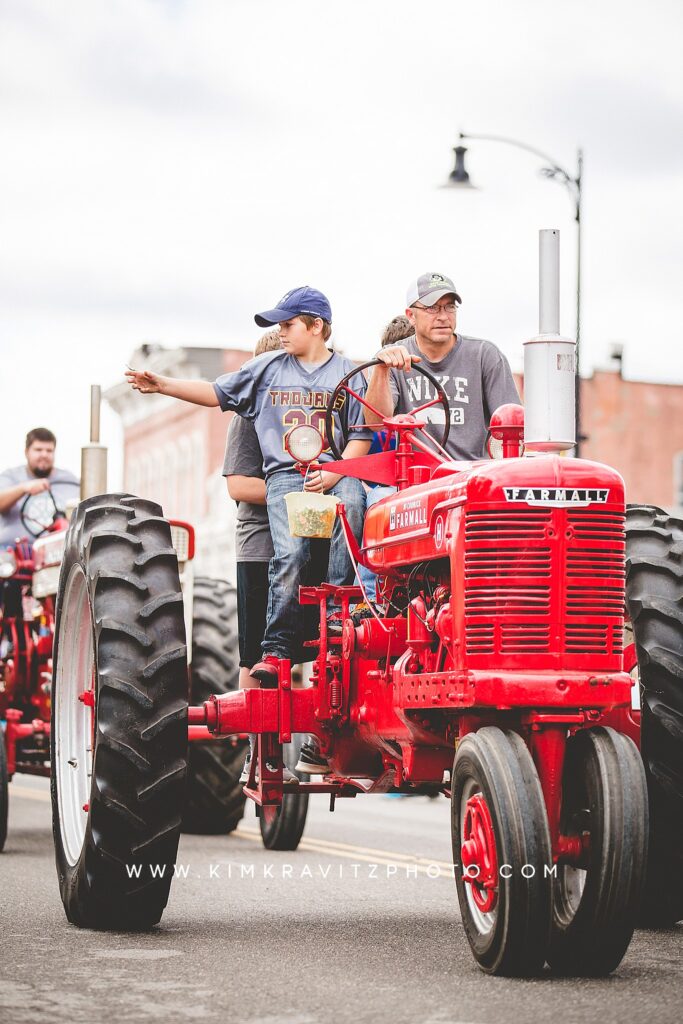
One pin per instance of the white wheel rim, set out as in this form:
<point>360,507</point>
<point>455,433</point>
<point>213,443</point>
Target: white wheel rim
<point>573,882</point>
<point>483,921</point>
<point>73,718</point>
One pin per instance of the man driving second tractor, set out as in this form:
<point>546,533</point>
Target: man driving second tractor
<point>38,474</point>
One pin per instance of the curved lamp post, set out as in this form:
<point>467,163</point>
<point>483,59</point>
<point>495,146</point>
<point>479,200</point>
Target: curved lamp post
<point>460,178</point>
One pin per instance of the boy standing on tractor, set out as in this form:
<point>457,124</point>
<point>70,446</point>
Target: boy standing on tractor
<point>278,391</point>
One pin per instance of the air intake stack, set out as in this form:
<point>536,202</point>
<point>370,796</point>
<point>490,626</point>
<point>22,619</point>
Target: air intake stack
<point>549,363</point>
<point>94,455</point>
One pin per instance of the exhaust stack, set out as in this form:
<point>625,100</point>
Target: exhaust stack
<point>549,363</point>
<point>94,455</point>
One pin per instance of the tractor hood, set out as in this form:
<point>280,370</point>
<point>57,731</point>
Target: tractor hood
<point>417,524</point>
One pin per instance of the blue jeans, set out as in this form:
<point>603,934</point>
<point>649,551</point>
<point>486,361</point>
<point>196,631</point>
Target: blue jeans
<point>367,576</point>
<point>292,554</point>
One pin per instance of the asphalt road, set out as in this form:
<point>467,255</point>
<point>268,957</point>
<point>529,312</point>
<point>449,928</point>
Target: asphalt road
<point>360,924</point>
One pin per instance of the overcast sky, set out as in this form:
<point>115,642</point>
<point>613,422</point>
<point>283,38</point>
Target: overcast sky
<point>169,167</point>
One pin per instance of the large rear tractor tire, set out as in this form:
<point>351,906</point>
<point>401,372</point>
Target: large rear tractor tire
<point>4,792</point>
<point>215,797</point>
<point>119,715</point>
<point>596,904</point>
<point>654,600</point>
<point>282,827</point>
<point>501,850</point>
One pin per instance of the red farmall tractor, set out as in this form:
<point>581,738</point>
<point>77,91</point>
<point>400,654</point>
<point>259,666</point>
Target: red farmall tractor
<point>29,573</point>
<point>29,576</point>
<point>499,666</point>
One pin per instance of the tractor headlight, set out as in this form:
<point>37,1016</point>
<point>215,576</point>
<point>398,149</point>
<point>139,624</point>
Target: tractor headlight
<point>182,538</point>
<point>45,582</point>
<point>8,564</point>
<point>505,438</point>
<point>304,443</point>
<point>48,553</point>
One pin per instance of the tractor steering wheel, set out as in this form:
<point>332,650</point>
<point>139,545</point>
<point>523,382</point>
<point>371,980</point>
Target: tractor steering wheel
<point>343,386</point>
<point>38,512</point>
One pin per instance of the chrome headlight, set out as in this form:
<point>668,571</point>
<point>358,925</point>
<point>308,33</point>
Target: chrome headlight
<point>49,550</point>
<point>48,553</point>
<point>182,538</point>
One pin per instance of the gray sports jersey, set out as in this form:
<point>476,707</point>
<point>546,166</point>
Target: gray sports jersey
<point>277,393</point>
<point>63,484</point>
<point>243,457</point>
<point>477,379</point>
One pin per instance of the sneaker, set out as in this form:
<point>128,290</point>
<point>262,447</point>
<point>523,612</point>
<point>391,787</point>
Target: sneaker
<point>287,776</point>
<point>266,671</point>
<point>311,761</point>
<point>360,612</point>
<point>335,625</point>
<point>244,777</point>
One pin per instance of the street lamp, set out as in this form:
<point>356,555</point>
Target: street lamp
<point>459,177</point>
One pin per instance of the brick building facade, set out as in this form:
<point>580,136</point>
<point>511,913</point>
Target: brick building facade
<point>636,427</point>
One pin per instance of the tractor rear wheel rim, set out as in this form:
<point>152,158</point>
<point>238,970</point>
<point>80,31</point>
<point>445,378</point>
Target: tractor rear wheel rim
<point>631,665</point>
<point>74,739</point>
<point>571,879</point>
<point>478,847</point>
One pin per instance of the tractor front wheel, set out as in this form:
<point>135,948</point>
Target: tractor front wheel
<point>604,803</point>
<point>501,852</point>
<point>654,599</point>
<point>119,715</point>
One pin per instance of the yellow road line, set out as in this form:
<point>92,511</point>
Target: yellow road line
<point>333,845</point>
<point>365,854</point>
<point>421,865</point>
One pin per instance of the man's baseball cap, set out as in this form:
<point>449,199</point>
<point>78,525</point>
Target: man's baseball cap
<point>429,288</point>
<point>299,300</point>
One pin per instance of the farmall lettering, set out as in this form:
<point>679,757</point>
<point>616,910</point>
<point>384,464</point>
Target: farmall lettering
<point>557,497</point>
<point>408,515</point>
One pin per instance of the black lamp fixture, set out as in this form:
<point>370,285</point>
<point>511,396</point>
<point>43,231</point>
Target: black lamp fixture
<point>459,178</point>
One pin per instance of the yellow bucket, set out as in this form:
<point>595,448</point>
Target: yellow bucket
<point>311,514</point>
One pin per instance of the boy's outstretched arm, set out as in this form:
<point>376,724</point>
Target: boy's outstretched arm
<point>198,392</point>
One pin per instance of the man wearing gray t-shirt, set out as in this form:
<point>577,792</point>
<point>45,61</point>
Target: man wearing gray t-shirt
<point>38,474</point>
<point>474,374</point>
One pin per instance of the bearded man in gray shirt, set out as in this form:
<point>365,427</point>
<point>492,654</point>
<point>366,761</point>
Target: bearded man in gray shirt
<point>474,374</point>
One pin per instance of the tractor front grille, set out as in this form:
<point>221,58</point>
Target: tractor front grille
<point>544,582</point>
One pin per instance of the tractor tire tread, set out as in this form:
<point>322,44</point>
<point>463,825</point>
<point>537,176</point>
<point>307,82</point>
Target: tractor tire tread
<point>215,802</point>
<point>654,598</point>
<point>140,757</point>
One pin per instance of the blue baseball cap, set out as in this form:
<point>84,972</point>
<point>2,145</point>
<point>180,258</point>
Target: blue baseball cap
<point>299,300</point>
